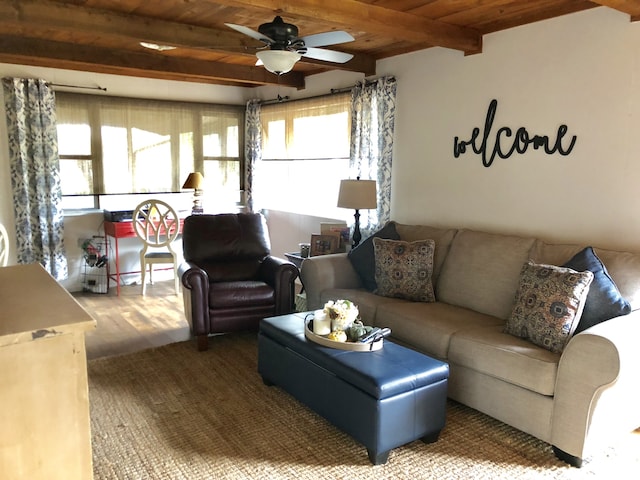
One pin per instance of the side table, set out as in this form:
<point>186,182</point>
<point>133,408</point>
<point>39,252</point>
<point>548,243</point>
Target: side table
<point>301,298</point>
<point>295,258</point>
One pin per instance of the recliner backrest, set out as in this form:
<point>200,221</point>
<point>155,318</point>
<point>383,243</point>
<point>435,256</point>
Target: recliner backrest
<point>228,246</point>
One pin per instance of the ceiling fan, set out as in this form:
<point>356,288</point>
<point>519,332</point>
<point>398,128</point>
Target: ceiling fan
<point>285,48</point>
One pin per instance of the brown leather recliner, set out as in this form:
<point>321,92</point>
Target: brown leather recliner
<point>230,279</point>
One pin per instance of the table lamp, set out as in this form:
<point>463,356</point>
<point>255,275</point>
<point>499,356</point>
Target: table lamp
<point>357,194</point>
<point>195,180</point>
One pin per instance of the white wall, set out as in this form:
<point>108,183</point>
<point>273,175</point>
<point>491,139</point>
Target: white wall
<point>581,70</point>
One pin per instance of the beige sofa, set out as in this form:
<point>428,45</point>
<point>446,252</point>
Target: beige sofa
<point>576,400</point>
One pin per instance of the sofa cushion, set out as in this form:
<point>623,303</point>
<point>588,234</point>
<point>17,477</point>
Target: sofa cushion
<point>404,269</point>
<point>548,304</point>
<point>237,294</point>
<point>603,300</point>
<point>429,327</point>
<point>362,257</point>
<point>481,271</point>
<point>366,301</point>
<point>442,236</point>
<point>490,351</point>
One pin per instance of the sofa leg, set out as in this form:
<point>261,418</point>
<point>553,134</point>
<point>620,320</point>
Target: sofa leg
<point>565,457</point>
<point>203,342</point>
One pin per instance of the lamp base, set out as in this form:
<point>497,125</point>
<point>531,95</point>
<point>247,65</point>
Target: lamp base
<point>197,203</point>
<point>357,236</point>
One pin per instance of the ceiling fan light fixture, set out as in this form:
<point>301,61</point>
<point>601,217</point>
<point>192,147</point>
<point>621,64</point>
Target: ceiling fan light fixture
<point>278,61</point>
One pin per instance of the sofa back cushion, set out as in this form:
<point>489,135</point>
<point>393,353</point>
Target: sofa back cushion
<point>442,236</point>
<point>553,253</point>
<point>482,271</point>
<point>623,267</point>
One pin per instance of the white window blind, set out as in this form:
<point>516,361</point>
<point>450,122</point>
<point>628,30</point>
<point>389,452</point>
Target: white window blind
<point>305,146</point>
<point>112,145</point>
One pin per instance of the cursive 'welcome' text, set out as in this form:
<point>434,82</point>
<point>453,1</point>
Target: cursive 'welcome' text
<point>519,142</point>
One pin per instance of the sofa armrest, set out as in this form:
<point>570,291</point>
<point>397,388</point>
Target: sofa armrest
<point>196,297</point>
<point>597,388</point>
<point>324,272</point>
<point>281,275</point>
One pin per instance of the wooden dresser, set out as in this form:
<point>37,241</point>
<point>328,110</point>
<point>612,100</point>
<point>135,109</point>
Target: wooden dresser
<point>44,399</point>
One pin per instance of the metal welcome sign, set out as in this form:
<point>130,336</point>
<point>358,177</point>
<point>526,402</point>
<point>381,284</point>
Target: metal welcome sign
<point>505,143</point>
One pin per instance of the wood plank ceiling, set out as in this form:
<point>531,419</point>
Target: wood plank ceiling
<point>104,35</point>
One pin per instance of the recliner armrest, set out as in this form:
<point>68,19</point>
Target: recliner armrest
<point>281,275</point>
<point>196,296</point>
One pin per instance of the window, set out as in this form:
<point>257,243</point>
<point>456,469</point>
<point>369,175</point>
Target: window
<point>305,146</point>
<point>113,146</point>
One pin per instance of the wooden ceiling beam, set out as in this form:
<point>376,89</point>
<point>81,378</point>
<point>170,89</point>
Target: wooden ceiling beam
<point>358,16</point>
<point>102,60</point>
<point>631,7</point>
<point>31,16</point>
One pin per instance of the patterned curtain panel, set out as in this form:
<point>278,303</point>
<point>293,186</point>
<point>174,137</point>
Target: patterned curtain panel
<point>253,148</point>
<point>373,107</point>
<point>35,174</point>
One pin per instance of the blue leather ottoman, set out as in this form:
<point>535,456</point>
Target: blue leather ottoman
<point>383,399</point>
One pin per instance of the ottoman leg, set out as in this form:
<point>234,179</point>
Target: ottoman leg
<point>267,382</point>
<point>431,438</point>
<point>378,459</point>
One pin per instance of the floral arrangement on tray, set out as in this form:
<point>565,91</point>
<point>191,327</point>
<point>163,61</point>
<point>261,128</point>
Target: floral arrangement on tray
<point>339,321</point>
<point>342,314</point>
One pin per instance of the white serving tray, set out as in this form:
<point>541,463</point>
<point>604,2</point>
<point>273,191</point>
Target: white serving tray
<point>349,346</point>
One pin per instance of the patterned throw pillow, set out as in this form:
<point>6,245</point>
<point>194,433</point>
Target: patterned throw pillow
<point>548,304</point>
<point>404,269</point>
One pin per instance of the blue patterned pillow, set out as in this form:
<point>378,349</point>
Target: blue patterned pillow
<point>548,304</point>
<point>604,300</point>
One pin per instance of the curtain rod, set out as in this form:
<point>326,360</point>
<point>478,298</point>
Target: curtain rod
<point>76,86</point>
<point>333,91</point>
<point>279,99</point>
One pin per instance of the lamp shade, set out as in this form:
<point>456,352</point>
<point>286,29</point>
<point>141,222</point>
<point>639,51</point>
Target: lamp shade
<point>278,61</point>
<point>357,194</point>
<point>194,180</point>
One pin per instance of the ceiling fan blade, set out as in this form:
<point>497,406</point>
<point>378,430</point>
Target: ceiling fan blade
<point>327,38</point>
<point>251,33</point>
<point>326,55</point>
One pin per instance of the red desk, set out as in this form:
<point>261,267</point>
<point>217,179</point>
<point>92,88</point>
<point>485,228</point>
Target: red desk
<point>118,230</point>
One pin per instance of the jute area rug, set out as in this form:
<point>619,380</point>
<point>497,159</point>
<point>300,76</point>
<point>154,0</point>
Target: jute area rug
<point>175,413</point>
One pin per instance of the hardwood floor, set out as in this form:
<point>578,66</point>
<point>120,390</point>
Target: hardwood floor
<point>132,322</point>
